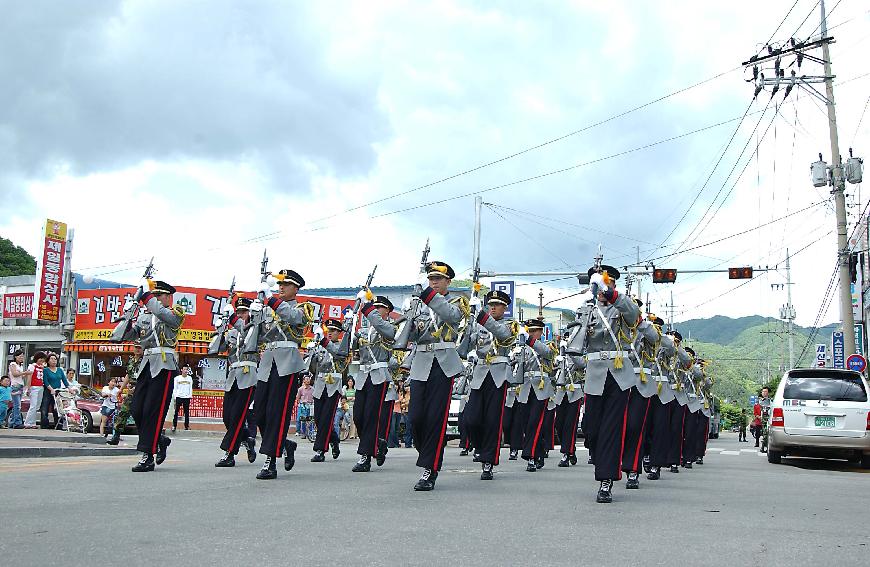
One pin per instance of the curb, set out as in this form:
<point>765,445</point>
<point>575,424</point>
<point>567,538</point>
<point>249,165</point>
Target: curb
<point>44,452</point>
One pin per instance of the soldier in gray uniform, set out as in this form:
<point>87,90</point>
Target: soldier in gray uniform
<point>491,341</point>
<point>278,327</point>
<point>240,383</point>
<point>515,417</point>
<point>663,404</point>
<point>647,339</point>
<point>157,332</point>
<point>609,375</point>
<point>570,374</point>
<point>692,377</point>
<point>462,388</point>
<point>375,346</point>
<point>432,325</point>
<point>682,362</point>
<point>535,361</point>
<point>705,384</point>
<point>328,361</point>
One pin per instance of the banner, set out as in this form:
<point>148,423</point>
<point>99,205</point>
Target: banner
<point>821,355</point>
<point>18,306</point>
<point>99,310</point>
<point>838,349</point>
<point>49,273</point>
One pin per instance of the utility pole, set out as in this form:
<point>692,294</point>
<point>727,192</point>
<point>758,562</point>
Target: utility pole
<point>671,312</point>
<point>541,303</point>
<point>639,279</point>
<point>787,312</point>
<point>839,192</point>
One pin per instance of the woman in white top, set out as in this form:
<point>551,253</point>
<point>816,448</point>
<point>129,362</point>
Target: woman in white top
<point>19,376</point>
<point>110,401</point>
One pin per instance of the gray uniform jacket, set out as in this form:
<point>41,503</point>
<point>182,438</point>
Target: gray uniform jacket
<point>157,332</point>
<point>441,317</point>
<point>572,384</point>
<point>683,360</point>
<point>534,354</point>
<point>324,362</point>
<point>664,355</point>
<point>696,377</point>
<point>601,351</point>
<point>375,345</point>
<point>281,327</point>
<point>492,358</point>
<point>241,366</point>
<point>648,338</point>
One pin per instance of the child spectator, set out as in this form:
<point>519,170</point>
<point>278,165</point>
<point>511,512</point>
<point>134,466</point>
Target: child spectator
<point>5,399</point>
<point>110,402</point>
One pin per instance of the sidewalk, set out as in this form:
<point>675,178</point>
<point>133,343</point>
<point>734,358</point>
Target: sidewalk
<point>30,443</point>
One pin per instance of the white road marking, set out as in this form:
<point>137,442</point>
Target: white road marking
<point>730,453</point>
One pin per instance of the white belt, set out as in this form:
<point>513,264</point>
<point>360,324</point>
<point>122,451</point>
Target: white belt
<point>243,363</point>
<point>606,355</point>
<point>373,366</point>
<point>535,374</point>
<point>431,347</point>
<point>281,344</point>
<point>498,360</point>
<point>159,350</point>
<point>661,379</point>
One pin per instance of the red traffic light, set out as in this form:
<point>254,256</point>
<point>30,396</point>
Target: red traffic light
<point>664,275</point>
<point>740,273</point>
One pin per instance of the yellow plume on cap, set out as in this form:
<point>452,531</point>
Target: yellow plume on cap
<point>477,286</point>
<point>442,269</point>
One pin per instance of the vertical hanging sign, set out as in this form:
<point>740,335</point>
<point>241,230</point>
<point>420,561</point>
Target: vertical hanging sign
<point>49,272</point>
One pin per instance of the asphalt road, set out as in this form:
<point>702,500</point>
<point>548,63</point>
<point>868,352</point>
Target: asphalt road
<point>736,509</point>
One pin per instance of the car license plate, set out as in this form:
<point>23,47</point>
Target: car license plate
<point>452,430</point>
<point>825,421</point>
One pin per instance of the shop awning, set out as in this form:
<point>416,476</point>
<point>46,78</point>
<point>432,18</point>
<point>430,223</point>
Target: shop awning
<point>187,347</point>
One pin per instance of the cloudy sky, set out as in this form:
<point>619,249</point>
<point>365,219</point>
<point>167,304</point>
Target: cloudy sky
<point>339,135</point>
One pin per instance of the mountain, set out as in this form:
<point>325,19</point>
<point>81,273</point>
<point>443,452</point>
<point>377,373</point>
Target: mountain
<point>722,330</point>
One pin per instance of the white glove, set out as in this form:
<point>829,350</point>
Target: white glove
<point>424,281</point>
<point>474,303</point>
<point>406,304</point>
<point>516,353</point>
<point>563,344</point>
<point>472,357</point>
<point>560,359</point>
<point>317,331</point>
<point>146,284</point>
<point>597,279</point>
<point>523,335</point>
<point>256,306</point>
<point>129,304</point>
<point>365,295</point>
<point>228,309</point>
<point>266,287</point>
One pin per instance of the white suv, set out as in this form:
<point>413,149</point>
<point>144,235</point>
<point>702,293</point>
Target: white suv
<point>820,412</point>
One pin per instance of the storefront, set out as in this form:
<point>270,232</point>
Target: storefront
<point>17,328</point>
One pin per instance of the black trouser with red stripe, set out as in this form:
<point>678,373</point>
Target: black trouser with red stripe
<point>604,422</point>
<point>464,433</point>
<point>324,418</point>
<point>368,410</point>
<point>430,404</point>
<point>150,405</point>
<point>660,431</point>
<point>519,419</point>
<point>567,416</point>
<point>534,442</point>
<point>691,432</point>
<point>484,414</point>
<point>236,404</point>
<point>386,419</point>
<point>635,431</point>
<point>703,435</point>
<point>274,406</point>
<point>677,426</point>
<point>549,428</point>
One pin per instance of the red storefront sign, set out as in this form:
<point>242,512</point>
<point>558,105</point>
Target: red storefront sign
<point>18,306</point>
<point>49,273</point>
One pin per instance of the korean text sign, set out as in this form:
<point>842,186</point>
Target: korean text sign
<point>49,273</point>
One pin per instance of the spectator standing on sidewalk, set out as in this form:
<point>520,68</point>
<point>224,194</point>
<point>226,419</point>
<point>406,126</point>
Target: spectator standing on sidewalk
<point>182,392</point>
<point>742,422</point>
<point>350,396</point>
<point>5,399</point>
<point>110,401</point>
<point>19,376</point>
<point>35,388</point>
<point>53,377</point>
<point>304,406</point>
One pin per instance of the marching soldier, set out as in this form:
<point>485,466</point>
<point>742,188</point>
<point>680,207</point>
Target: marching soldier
<point>491,343</point>
<point>515,417</point>
<point>434,364</point>
<point>681,362</point>
<point>328,360</point>
<point>375,345</point>
<point>609,376</point>
<point>157,332</point>
<point>536,364</point>
<point>569,401</point>
<point>663,404</point>
<point>240,383</point>
<point>278,326</point>
<point>128,386</point>
<point>461,389</point>
<point>706,412</point>
<point>691,433</point>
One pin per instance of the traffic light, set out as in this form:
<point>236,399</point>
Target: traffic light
<point>664,275</point>
<point>740,273</point>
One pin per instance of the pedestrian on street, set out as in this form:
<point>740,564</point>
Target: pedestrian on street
<point>19,376</point>
<point>304,406</point>
<point>35,388</point>
<point>182,392</point>
<point>110,401</point>
<point>741,423</point>
<point>349,396</point>
<point>52,377</point>
<point>5,399</point>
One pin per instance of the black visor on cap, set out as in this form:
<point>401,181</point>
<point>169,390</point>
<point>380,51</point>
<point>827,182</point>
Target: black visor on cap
<point>162,287</point>
<point>611,271</point>
<point>383,301</point>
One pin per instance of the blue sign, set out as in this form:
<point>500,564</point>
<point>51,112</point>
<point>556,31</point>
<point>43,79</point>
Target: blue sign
<point>753,400</point>
<point>838,349</point>
<point>507,287</point>
<point>548,332</point>
<point>856,362</point>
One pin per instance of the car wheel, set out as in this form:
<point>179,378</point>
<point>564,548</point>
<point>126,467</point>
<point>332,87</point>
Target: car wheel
<point>87,421</point>
<point>865,461</point>
<point>774,457</point>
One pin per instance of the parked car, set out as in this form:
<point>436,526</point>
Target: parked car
<point>453,417</point>
<point>89,401</point>
<point>821,412</point>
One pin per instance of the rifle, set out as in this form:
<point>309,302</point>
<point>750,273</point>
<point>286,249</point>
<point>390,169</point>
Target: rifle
<point>358,303</point>
<point>404,333</point>
<point>252,340</point>
<point>214,346</point>
<point>130,314</point>
<point>579,349</point>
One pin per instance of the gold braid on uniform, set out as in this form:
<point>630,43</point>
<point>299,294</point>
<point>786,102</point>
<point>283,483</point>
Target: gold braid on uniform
<point>179,311</point>
<point>399,355</point>
<point>514,328</point>
<point>307,313</point>
<point>548,365</point>
<point>445,331</point>
<point>645,357</point>
<point>620,337</point>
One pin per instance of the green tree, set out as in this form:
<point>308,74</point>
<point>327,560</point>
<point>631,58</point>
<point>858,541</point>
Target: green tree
<point>14,260</point>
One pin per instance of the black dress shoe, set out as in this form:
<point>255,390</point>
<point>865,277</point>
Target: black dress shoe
<point>318,457</point>
<point>364,464</point>
<point>687,464</point>
<point>162,444</point>
<point>563,462</point>
<point>632,483</point>
<point>486,472</point>
<point>654,473</point>
<point>427,481</point>
<point>675,469</point>
<point>513,455</point>
<point>335,450</point>
<point>381,457</point>
<point>700,461</point>
<point>539,462</point>
<point>250,447</point>
<point>114,439</point>
<point>646,464</point>
<point>227,460</point>
<point>605,496</point>
<point>572,459</point>
<point>476,458</point>
<point>463,452</point>
<point>268,472</point>
<point>531,466</point>
<point>289,454</point>
<point>589,461</point>
<point>145,464</point>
